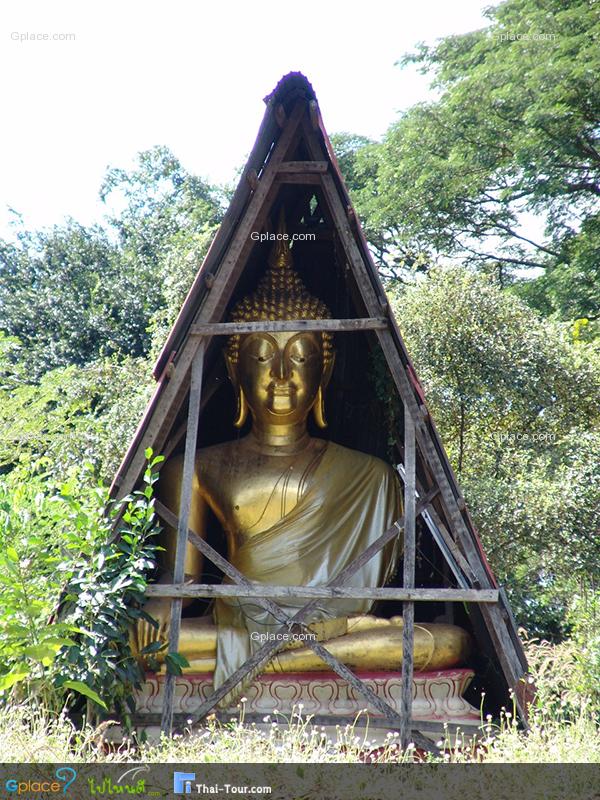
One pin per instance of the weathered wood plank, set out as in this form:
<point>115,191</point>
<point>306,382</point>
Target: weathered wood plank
<point>302,178</point>
<point>278,326</point>
<point>313,113</point>
<point>171,396</point>
<point>323,592</point>
<point>252,178</point>
<point>211,384</point>
<point>180,722</point>
<point>280,115</point>
<point>409,560</point>
<point>441,535</point>
<point>265,653</point>
<point>182,528</point>
<point>320,167</point>
<point>507,654</point>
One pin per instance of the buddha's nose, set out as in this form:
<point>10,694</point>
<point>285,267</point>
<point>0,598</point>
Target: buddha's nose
<point>280,369</point>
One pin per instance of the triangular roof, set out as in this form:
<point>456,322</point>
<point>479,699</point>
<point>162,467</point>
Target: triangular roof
<point>292,154</point>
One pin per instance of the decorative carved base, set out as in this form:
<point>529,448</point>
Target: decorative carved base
<point>437,696</point>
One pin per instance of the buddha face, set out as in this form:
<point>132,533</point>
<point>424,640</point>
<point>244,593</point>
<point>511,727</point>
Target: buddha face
<point>280,375</point>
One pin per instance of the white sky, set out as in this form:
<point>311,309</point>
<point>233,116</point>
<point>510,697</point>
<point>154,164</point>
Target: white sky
<point>189,75</point>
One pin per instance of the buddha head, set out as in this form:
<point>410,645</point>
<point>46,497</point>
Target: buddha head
<point>280,377</point>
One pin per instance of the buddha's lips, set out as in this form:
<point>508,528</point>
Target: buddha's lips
<point>282,399</point>
<point>282,391</point>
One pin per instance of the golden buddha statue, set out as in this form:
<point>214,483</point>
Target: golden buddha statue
<point>295,509</point>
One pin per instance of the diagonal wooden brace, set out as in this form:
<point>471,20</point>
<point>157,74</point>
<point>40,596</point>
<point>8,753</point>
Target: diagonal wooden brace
<point>266,652</point>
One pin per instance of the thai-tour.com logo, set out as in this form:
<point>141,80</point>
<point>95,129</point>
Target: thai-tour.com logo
<point>185,783</point>
<point>63,778</point>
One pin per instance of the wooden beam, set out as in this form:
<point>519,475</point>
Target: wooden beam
<point>356,721</point>
<point>252,178</point>
<point>319,167</point>
<point>280,115</point>
<point>504,646</point>
<point>313,111</point>
<point>304,178</point>
<point>279,326</point>
<point>185,505</point>
<point>408,610</point>
<point>171,396</point>
<point>455,559</point>
<point>211,384</point>
<point>273,591</point>
<point>262,656</point>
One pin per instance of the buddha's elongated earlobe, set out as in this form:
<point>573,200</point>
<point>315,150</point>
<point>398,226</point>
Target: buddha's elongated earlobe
<point>242,403</point>
<point>319,409</point>
<point>242,409</point>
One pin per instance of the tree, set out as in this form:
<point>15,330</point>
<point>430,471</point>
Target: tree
<point>76,294</point>
<point>165,228</point>
<point>514,130</point>
<point>58,295</point>
<point>73,415</point>
<point>518,405</point>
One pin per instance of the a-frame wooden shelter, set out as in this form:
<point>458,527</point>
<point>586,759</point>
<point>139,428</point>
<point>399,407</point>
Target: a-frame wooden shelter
<point>292,165</point>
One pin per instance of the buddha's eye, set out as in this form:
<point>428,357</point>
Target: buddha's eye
<point>263,359</point>
<point>298,359</point>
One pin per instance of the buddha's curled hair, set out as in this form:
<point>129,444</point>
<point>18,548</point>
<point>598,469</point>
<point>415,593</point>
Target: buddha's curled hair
<point>280,295</point>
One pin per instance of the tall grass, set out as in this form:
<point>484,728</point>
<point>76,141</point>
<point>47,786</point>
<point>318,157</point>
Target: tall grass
<point>563,727</point>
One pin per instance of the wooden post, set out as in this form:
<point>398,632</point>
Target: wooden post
<point>182,528</point>
<point>408,607</point>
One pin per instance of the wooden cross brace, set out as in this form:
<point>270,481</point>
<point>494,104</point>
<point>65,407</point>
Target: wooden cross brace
<point>264,654</point>
<point>270,648</point>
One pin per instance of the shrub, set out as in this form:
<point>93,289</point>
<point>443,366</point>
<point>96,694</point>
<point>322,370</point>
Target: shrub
<point>65,554</point>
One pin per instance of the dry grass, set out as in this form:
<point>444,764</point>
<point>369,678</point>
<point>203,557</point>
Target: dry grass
<point>34,738</point>
<point>563,728</point>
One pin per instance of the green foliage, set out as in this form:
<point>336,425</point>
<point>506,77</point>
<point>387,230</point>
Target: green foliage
<point>513,136</point>
<point>492,366</point>
<point>73,415</point>
<point>500,384</point>
<point>39,535</point>
<point>75,294</point>
<point>65,295</point>
<point>103,598</point>
<point>584,616</point>
<point>569,287</point>
<point>72,584</point>
<point>168,220</point>
<point>30,584</point>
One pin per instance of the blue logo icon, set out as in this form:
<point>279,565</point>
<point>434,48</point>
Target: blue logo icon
<point>67,775</point>
<point>182,782</point>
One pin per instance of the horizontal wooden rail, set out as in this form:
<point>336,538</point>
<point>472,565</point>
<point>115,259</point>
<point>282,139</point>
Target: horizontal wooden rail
<point>319,167</point>
<point>329,592</point>
<point>357,721</point>
<point>284,326</point>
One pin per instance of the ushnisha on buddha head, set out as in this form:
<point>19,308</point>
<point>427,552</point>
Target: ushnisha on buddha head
<point>280,377</point>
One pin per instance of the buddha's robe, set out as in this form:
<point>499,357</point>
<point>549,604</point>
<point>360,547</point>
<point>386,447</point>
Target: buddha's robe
<point>352,499</point>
